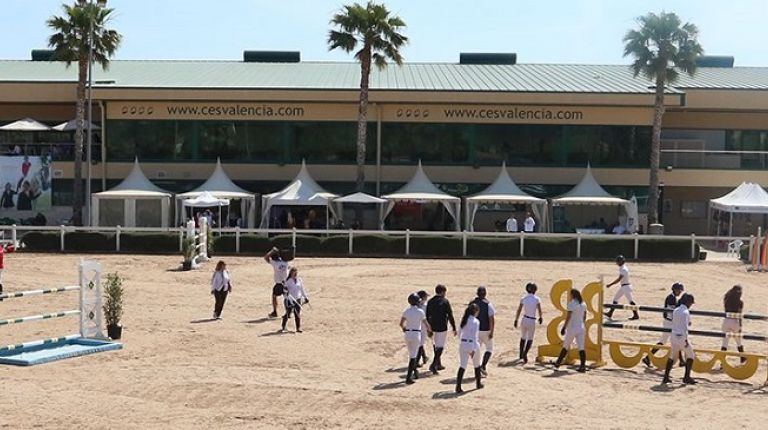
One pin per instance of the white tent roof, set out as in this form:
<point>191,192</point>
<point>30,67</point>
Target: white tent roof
<point>26,124</point>
<point>746,198</point>
<point>420,188</point>
<point>71,125</point>
<point>359,198</point>
<point>135,185</point>
<point>205,200</point>
<point>588,192</point>
<point>219,185</point>
<point>504,189</point>
<point>302,191</point>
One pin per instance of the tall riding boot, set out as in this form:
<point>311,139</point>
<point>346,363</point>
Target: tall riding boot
<point>647,358</point>
<point>609,314</point>
<point>688,366</point>
<point>635,315</point>
<point>1,292</point>
<point>486,358</point>
<point>416,367</point>
<point>436,361</point>
<point>668,369</point>
<point>741,350</point>
<point>522,349</point>
<point>285,320</point>
<point>528,346</point>
<point>298,323</point>
<point>478,376</point>
<point>561,357</point>
<point>424,357</point>
<point>459,377</point>
<point>583,360</point>
<point>411,368</point>
<point>439,353</point>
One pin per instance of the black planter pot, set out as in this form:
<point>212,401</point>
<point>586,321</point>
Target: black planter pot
<point>114,331</point>
<point>186,265</point>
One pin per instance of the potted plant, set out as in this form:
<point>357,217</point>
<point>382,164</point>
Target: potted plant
<point>188,251</point>
<point>113,305</point>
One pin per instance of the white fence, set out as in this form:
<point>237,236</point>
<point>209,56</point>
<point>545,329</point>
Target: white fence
<point>11,232</point>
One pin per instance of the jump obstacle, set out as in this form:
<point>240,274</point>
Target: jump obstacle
<point>759,253</point>
<point>199,238</point>
<point>89,340</point>
<point>592,294</point>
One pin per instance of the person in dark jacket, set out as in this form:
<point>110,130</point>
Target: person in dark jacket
<point>487,318</point>
<point>439,314</point>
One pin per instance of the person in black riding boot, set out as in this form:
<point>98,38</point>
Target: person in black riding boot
<point>422,358</point>
<point>681,320</point>
<point>469,346</point>
<point>574,329</point>
<point>529,305</point>
<point>732,323</point>
<point>411,323</point>
<point>625,288</point>
<point>439,314</point>
<point>487,318</point>
<point>669,303</point>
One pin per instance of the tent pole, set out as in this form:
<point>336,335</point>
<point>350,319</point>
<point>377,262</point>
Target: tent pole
<point>730,225</point>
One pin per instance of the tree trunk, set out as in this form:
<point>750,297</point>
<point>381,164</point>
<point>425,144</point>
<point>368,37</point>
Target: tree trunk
<point>362,118</point>
<point>653,177</point>
<point>77,188</point>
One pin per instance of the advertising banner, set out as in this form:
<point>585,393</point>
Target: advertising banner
<point>25,182</point>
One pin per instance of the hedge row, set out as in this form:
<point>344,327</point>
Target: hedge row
<point>375,245</point>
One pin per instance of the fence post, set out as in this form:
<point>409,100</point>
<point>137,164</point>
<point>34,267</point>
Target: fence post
<point>407,242</point>
<point>637,245</point>
<point>578,245</point>
<point>62,237</point>
<point>13,234</point>
<point>522,244</point>
<point>464,243</point>
<point>293,238</point>
<point>237,239</point>
<point>181,238</point>
<point>117,239</point>
<point>751,245</point>
<point>693,246</point>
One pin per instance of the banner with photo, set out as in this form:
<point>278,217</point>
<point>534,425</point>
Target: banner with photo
<point>25,182</point>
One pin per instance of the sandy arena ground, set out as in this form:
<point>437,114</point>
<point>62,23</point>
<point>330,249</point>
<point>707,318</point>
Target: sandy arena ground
<point>346,370</point>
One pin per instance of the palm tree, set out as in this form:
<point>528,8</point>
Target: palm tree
<point>662,47</point>
<point>373,30</point>
<point>73,31</point>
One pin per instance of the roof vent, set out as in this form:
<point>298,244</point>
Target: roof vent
<point>42,55</point>
<point>271,56</point>
<point>487,58</point>
<point>721,61</point>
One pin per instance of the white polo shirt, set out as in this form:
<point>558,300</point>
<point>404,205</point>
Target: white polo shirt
<point>512,225</point>
<point>530,303</point>
<point>281,270</point>
<point>414,316</point>
<point>470,331</point>
<point>295,288</point>
<point>624,274</point>
<point>681,319</point>
<point>576,323</point>
<point>529,224</point>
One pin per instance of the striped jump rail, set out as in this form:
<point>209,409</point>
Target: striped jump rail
<point>39,342</point>
<point>39,317</point>
<point>706,333</point>
<point>39,292</point>
<point>692,311</point>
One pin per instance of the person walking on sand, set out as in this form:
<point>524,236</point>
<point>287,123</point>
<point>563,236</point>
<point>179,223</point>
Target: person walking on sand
<point>295,297</point>
<point>574,329</point>
<point>422,358</point>
<point>487,318</point>
<point>732,323</point>
<point>670,302</point>
<point>279,264</point>
<point>221,286</point>
<point>411,323</point>
<point>625,288</point>
<point>439,315</point>
<point>681,320</point>
<point>530,304</point>
<point>469,346</point>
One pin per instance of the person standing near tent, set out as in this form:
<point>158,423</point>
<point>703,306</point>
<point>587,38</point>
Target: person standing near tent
<point>529,225</point>
<point>625,289</point>
<point>439,315</point>
<point>280,267</point>
<point>511,224</point>
<point>221,286</point>
<point>487,318</point>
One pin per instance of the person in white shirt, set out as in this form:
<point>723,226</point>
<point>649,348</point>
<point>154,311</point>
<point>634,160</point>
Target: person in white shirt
<point>279,263</point>
<point>670,302</point>
<point>469,345</point>
<point>529,224</point>
<point>732,323</point>
<point>625,289</point>
<point>681,320</point>
<point>574,329</point>
<point>221,286</point>
<point>422,357</point>
<point>411,323</point>
<point>619,229</point>
<point>295,297</point>
<point>487,318</point>
<point>529,306</point>
<point>511,224</point>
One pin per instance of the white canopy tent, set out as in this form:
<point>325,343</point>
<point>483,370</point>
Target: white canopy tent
<point>361,199</point>
<point>25,124</point>
<point>589,192</point>
<point>206,200</point>
<point>302,191</point>
<point>71,125</point>
<point>421,189</point>
<point>220,186</point>
<point>747,198</point>
<point>139,196</point>
<point>504,190</point>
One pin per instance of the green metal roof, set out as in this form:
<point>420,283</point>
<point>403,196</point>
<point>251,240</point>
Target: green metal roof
<point>555,78</point>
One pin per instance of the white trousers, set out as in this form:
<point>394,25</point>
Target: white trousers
<point>1,276</point>
<point>665,336</point>
<point>485,341</point>
<point>527,328</point>
<point>571,335</point>
<point>731,325</point>
<point>681,343</point>
<point>624,291</point>
<point>413,342</point>
<point>465,350</point>
<point>439,338</point>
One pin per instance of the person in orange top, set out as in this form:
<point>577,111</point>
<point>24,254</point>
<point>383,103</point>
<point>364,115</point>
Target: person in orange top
<point>3,249</point>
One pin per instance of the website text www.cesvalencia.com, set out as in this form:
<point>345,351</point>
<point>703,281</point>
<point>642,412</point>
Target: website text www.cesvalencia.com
<point>515,113</point>
<point>237,110</point>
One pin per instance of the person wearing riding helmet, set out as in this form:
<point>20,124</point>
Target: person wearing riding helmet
<point>411,323</point>
<point>422,358</point>
<point>681,320</point>
<point>625,288</point>
<point>669,303</point>
<point>529,305</point>
<point>469,346</point>
<point>574,329</point>
<point>487,318</point>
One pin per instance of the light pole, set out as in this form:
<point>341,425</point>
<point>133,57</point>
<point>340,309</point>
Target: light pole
<point>89,148</point>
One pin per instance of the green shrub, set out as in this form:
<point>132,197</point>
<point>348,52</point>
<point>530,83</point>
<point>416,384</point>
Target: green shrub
<point>336,245</point>
<point>379,245</point>
<point>549,247</point>
<point>436,246</point>
<point>113,299</point>
<point>41,241</point>
<point>667,250</point>
<point>604,248</point>
<point>148,242</point>
<point>89,242</point>
<point>493,247</point>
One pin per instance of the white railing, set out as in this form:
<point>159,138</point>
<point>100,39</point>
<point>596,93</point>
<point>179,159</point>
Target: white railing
<point>15,230</point>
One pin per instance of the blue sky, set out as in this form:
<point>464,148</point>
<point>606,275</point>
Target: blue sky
<point>540,31</point>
